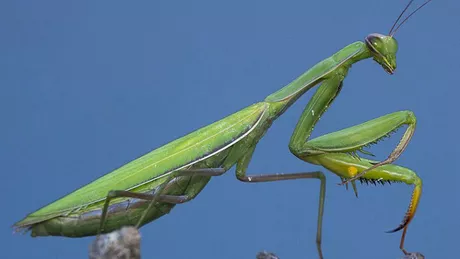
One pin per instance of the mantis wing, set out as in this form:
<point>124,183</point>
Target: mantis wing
<point>176,155</point>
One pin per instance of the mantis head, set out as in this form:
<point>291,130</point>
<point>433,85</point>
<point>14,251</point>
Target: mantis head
<point>383,49</point>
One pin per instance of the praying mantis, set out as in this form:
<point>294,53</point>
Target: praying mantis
<point>150,186</point>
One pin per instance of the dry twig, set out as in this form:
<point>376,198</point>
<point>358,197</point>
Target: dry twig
<point>124,243</point>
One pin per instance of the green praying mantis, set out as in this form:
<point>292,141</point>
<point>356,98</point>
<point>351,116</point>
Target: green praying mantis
<point>150,186</point>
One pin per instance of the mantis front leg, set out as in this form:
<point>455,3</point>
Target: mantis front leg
<point>349,140</point>
<point>337,151</point>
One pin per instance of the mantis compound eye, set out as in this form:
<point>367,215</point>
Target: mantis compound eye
<point>374,42</point>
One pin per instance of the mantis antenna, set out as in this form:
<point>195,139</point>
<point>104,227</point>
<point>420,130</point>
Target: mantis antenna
<point>391,33</point>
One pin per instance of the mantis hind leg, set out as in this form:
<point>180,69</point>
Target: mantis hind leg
<point>157,194</point>
<point>242,166</point>
<point>156,197</point>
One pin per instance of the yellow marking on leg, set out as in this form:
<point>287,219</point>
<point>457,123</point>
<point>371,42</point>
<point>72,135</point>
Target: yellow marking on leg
<point>352,171</point>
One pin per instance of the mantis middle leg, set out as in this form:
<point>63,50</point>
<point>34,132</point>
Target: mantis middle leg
<point>242,166</point>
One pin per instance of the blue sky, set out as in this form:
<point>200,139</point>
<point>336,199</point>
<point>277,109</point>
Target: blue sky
<point>90,85</point>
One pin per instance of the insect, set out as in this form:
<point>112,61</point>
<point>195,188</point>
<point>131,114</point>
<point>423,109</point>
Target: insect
<point>153,184</point>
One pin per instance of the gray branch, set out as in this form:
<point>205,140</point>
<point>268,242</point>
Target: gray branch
<point>121,244</point>
<point>126,244</point>
<point>415,255</point>
<point>268,255</point>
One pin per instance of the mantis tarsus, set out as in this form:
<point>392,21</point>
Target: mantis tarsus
<point>150,186</point>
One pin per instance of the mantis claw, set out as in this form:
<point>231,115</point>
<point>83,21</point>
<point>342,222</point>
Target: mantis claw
<point>353,184</point>
<point>346,182</point>
<point>355,189</point>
